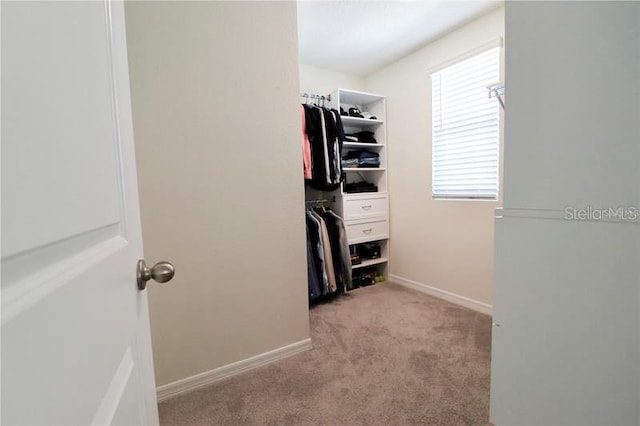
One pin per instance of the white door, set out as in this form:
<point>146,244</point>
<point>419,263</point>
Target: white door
<point>75,340</point>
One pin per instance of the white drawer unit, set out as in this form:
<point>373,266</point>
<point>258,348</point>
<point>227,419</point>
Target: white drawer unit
<point>365,206</point>
<point>365,214</point>
<point>360,231</point>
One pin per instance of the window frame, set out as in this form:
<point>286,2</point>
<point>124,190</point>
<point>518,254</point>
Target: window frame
<point>497,43</point>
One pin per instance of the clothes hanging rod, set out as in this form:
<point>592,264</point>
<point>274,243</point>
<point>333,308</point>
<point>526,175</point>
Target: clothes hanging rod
<point>322,201</point>
<point>315,96</point>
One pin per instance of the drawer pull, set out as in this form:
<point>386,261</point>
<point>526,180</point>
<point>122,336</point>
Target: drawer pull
<point>367,231</point>
<point>366,207</point>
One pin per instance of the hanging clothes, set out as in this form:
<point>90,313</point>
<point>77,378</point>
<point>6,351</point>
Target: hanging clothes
<point>316,242</point>
<point>325,132</point>
<point>344,252</point>
<point>335,246</point>
<point>315,290</point>
<point>328,253</point>
<point>306,148</point>
<point>328,258</point>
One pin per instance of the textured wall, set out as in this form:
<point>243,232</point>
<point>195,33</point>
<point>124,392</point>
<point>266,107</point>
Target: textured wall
<point>217,130</point>
<point>324,81</point>
<point>440,243</point>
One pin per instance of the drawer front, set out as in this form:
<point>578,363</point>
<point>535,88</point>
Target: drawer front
<point>361,231</point>
<point>360,208</point>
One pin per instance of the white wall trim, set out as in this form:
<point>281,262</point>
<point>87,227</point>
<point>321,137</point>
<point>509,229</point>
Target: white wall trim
<point>475,305</point>
<point>198,381</point>
<point>497,42</point>
<point>628,215</point>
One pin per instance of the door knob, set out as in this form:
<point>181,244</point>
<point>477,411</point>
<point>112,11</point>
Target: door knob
<point>160,272</point>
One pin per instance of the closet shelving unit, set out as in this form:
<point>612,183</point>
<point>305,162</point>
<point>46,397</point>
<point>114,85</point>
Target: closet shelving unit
<point>366,214</point>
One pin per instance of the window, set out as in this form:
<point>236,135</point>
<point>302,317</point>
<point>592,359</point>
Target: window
<point>466,128</point>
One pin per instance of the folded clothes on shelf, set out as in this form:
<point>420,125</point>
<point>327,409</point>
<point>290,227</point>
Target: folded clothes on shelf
<point>361,158</point>
<point>350,163</point>
<point>355,187</point>
<point>364,136</point>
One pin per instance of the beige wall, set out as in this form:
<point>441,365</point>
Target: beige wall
<point>324,81</point>
<point>215,89</point>
<point>443,244</point>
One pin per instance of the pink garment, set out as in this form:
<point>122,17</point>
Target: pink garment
<point>306,148</point>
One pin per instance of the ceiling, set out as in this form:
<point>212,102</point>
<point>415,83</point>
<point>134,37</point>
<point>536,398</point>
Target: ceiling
<point>360,37</point>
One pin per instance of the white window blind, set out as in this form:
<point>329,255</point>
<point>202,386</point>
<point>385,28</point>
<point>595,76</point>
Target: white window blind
<point>466,128</point>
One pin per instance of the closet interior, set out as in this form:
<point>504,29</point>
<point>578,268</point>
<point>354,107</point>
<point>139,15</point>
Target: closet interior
<point>345,172</point>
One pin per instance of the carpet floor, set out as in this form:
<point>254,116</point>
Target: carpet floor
<point>382,355</point>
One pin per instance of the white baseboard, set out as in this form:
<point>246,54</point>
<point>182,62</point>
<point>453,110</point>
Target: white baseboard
<point>198,381</point>
<point>482,307</point>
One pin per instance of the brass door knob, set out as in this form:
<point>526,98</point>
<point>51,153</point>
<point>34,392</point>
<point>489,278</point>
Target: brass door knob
<point>160,272</point>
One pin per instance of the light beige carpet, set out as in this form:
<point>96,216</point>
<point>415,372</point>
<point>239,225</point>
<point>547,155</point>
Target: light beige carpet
<point>383,355</point>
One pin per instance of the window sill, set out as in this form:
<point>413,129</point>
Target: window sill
<point>462,198</point>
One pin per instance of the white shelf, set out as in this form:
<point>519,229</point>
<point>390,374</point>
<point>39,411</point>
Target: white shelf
<point>359,122</point>
<point>355,97</point>
<point>361,145</point>
<point>370,262</point>
<point>358,221</point>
